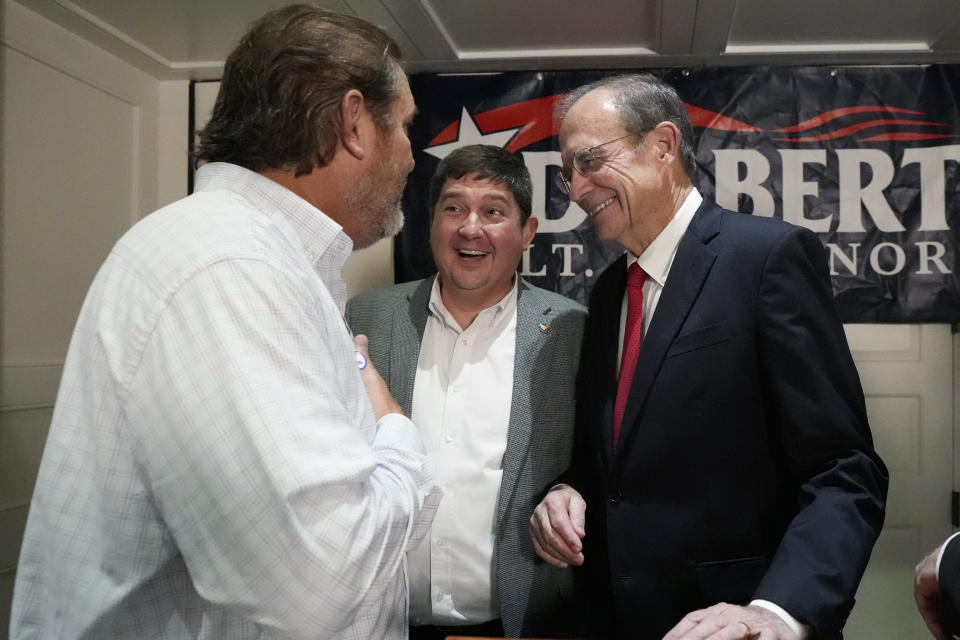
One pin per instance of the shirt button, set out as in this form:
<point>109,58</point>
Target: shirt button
<point>464,341</point>
<point>448,438</point>
<point>439,543</point>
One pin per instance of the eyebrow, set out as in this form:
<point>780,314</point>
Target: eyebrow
<point>456,193</point>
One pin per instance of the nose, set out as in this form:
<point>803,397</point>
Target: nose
<point>471,227</point>
<point>579,186</point>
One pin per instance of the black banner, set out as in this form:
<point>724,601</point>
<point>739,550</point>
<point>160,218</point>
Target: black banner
<point>867,157</point>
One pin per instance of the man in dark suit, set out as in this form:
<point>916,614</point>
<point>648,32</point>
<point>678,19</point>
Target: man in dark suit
<point>937,589</point>
<point>724,482</point>
<point>485,364</point>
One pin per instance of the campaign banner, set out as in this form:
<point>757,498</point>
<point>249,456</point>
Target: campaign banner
<point>866,157</point>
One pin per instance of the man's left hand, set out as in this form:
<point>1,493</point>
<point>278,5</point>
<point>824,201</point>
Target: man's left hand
<point>729,622</point>
<point>926,592</point>
<point>380,398</point>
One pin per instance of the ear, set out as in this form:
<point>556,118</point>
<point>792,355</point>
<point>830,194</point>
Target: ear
<point>529,230</point>
<point>353,122</point>
<point>665,138</point>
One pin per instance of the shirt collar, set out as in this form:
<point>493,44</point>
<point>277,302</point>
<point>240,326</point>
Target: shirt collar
<point>322,239</point>
<point>657,258</point>
<point>495,313</point>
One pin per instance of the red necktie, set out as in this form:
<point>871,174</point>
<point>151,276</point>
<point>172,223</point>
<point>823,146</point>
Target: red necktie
<point>632,332</point>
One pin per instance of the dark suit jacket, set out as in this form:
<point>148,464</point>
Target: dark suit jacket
<point>534,597</point>
<point>745,466</point>
<point>949,578</point>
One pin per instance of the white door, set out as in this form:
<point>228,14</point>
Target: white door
<point>907,376</point>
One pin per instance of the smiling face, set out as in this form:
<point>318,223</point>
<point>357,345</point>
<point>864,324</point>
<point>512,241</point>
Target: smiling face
<point>477,240</point>
<point>630,191</point>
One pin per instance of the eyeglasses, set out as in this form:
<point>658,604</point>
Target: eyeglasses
<point>585,161</point>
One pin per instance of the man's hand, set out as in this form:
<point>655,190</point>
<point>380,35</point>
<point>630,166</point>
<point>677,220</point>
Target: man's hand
<point>729,622</point>
<point>383,403</point>
<point>557,525</point>
<point>926,591</point>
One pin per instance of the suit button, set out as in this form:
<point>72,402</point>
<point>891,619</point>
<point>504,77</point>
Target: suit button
<point>614,497</point>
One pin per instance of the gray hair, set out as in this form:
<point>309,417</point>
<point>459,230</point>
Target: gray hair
<point>643,101</point>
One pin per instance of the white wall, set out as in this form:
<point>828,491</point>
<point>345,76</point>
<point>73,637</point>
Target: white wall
<point>90,144</point>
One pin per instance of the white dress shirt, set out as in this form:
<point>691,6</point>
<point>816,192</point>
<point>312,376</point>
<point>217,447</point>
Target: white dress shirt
<point>213,468</point>
<point>656,260</point>
<point>461,403</point>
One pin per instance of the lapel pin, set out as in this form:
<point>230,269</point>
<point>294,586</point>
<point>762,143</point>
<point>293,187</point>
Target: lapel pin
<point>544,328</point>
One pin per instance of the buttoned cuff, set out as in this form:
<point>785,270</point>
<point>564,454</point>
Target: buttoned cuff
<point>399,444</point>
<point>395,430</point>
<point>802,630</point>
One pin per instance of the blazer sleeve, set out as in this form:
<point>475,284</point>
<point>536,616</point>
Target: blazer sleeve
<point>949,577</point>
<point>819,430</point>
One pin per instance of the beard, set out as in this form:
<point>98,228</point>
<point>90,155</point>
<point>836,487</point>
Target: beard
<point>375,201</point>
<point>393,221</point>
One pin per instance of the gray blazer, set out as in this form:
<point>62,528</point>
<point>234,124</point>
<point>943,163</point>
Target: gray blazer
<point>534,597</point>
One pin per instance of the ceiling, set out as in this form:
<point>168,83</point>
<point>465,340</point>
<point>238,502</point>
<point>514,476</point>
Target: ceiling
<point>190,38</point>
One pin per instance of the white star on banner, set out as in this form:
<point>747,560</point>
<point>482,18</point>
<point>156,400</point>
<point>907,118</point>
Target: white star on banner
<point>469,134</point>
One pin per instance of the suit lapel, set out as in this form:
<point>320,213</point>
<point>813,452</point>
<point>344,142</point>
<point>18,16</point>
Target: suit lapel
<point>409,323</point>
<point>532,311</point>
<point>687,274</point>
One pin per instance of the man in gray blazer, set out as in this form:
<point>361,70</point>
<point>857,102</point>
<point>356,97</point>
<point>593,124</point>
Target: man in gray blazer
<point>484,363</point>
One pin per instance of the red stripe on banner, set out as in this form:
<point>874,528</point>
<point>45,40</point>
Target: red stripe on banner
<point>449,134</point>
<point>904,135</point>
<point>839,133</point>
<point>535,116</point>
<point>712,120</point>
<point>833,114</point>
